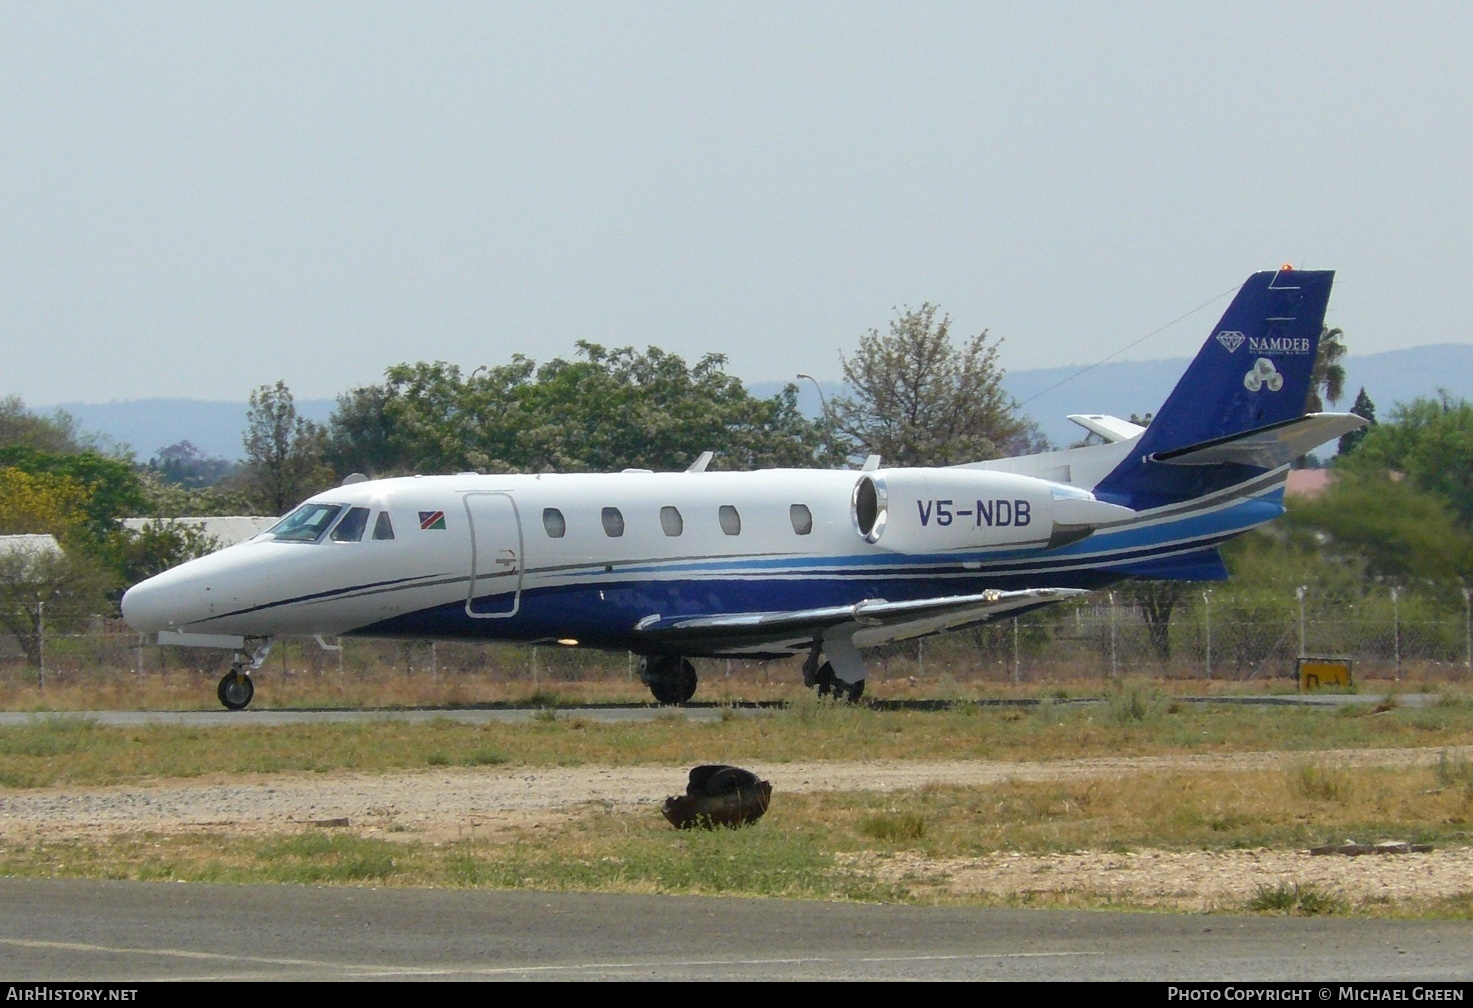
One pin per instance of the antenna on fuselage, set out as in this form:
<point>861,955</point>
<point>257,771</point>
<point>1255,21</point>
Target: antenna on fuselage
<point>870,464</point>
<point>700,464</point>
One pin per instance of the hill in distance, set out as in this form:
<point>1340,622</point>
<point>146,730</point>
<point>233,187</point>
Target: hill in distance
<point>1048,395</point>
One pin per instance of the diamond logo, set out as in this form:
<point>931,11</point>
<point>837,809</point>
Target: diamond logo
<point>1231,340</point>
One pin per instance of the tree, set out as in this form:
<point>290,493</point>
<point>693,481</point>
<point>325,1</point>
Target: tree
<point>1392,527</point>
<point>919,400</point>
<point>609,409</point>
<point>283,452</point>
<point>1430,442</point>
<point>56,434</point>
<point>183,464</point>
<point>1327,379</point>
<point>1156,601</point>
<point>1363,408</point>
<point>40,504</point>
<point>41,589</point>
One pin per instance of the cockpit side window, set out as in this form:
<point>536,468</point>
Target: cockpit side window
<point>306,523</point>
<point>383,528</point>
<point>350,529</point>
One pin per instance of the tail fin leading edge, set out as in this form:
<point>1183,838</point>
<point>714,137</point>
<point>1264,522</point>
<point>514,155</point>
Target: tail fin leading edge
<point>1252,372</point>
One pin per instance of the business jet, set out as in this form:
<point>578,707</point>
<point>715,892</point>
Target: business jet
<point>782,562</point>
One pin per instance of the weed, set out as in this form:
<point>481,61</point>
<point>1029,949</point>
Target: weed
<point>486,757</point>
<point>1132,703</point>
<point>1320,783</point>
<point>316,857</point>
<point>545,715</point>
<point>894,827</point>
<point>1455,771</point>
<point>1299,899</point>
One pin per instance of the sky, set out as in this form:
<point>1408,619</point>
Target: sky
<point>197,199</point>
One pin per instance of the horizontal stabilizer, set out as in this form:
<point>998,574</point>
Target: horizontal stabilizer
<point>1267,447</point>
<point>1110,428</point>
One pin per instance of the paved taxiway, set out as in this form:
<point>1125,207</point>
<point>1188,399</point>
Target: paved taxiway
<point>65,930</point>
<point>263,716</point>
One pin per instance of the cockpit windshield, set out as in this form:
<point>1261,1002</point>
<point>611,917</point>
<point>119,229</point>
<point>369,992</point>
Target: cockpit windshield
<point>306,523</point>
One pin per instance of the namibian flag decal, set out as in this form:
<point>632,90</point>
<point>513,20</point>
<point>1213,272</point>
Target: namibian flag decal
<point>431,520</point>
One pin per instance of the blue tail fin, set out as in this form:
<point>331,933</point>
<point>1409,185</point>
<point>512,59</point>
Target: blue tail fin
<point>1253,371</point>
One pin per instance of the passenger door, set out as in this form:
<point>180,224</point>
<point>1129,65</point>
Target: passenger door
<point>496,555</point>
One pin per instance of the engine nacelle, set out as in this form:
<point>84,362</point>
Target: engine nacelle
<point>938,510</point>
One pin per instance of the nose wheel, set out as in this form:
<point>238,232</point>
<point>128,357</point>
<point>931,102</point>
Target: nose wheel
<point>235,689</point>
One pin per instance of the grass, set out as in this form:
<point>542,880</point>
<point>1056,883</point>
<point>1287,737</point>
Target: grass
<point>826,845</point>
<point>77,751</point>
<point>810,845</point>
<point>1307,900</point>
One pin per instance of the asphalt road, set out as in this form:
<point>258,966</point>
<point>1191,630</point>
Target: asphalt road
<point>65,930</point>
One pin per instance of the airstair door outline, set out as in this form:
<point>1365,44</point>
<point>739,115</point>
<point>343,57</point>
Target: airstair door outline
<point>496,555</point>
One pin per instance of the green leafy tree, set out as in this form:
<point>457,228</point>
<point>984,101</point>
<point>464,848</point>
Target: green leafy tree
<point>1430,441</point>
<point>284,453</point>
<point>607,410</point>
<point>918,399</point>
<point>56,434</point>
<point>1363,408</point>
<point>1391,527</point>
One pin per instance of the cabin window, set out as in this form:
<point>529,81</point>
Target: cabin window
<point>350,529</point>
<point>613,523</point>
<point>553,522</point>
<point>671,521</point>
<point>731,522</point>
<point>306,523</point>
<point>801,518</point>
<point>383,528</point>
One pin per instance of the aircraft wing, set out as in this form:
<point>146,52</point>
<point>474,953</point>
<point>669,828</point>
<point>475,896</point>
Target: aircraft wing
<point>875,620</point>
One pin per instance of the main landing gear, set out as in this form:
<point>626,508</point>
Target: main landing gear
<point>236,689</point>
<point>818,673</point>
<point>671,679</point>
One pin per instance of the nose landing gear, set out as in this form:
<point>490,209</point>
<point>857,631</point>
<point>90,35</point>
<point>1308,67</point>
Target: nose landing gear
<point>236,689</point>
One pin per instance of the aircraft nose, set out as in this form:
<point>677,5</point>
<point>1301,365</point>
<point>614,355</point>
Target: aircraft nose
<point>147,606</point>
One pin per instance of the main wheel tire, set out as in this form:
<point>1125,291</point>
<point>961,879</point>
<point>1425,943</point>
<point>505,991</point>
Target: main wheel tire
<point>671,680</point>
<point>235,690</point>
<point>829,684</point>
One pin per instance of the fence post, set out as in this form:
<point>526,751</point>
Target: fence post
<point>1300,593</point>
<point>1112,635</point>
<point>41,643</point>
<point>1468,627</point>
<point>1207,620</point>
<point>1396,627</point>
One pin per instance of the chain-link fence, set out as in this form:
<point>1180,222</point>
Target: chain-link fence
<point>1161,630</point>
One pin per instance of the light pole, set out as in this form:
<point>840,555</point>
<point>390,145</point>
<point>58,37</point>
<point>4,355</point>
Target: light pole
<point>822,401</point>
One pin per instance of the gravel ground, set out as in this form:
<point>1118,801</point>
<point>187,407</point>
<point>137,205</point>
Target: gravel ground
<point>444,803</point>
